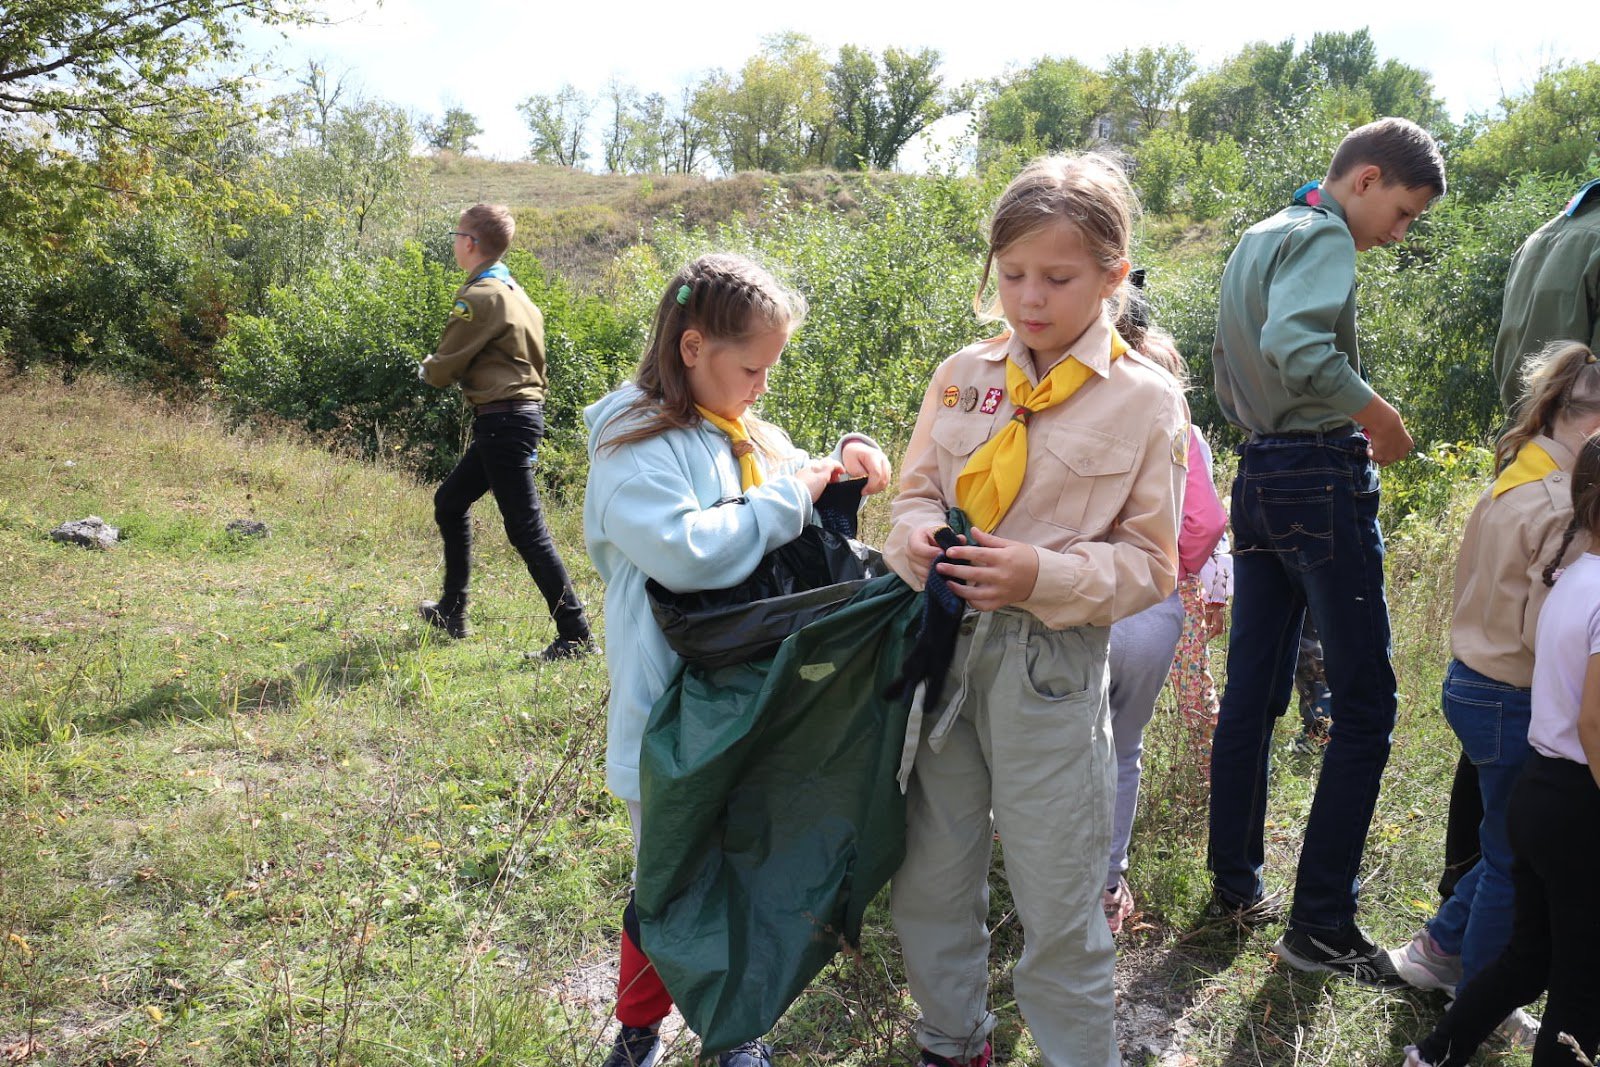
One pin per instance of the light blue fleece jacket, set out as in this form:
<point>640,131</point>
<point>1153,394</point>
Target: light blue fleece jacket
<point>650,511</point>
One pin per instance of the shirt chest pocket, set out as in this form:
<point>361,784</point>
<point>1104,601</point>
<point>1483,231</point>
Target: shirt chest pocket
<point>1080,479</point>
<point>961,434</point>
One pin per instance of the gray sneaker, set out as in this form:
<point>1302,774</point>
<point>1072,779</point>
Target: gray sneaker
<point>1424,966</point>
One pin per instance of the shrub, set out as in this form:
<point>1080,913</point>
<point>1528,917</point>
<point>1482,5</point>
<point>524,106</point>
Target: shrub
<point>148,307</point>
<point>339,354</point>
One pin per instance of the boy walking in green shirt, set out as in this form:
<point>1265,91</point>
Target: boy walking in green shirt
<point>1306,536</point>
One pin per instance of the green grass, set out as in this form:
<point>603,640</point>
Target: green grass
<point>250,812</point>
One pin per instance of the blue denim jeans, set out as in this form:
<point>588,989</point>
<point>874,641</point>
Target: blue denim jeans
<point>1306,538</point>
<point>1491,719</point>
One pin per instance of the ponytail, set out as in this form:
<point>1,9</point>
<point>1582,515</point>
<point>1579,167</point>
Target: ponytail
<point>1562,380</point>
<point>1585,503</point>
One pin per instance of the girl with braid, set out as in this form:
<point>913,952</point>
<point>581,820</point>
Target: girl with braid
<point>689,487</point>
<point>1068,451</point>
<point>1520,523</point>
<point>1553,816</point>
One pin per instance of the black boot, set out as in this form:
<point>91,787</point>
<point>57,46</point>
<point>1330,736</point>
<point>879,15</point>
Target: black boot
<point>440,616</point>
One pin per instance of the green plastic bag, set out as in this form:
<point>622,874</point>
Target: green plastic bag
<point>771,814</point>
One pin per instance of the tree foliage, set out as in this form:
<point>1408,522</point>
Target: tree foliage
<point>1145,85</point>
<point>453,131</point>
<point>878,108</point>
<point>1552,128</point>
<point>558,126</point>
<point>109,104</point>
<point>777,114</point>
<point>1049,106</point>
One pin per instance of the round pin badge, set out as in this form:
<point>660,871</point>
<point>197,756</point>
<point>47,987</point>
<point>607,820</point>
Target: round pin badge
<point>952,396</point>
<point>969,398</point>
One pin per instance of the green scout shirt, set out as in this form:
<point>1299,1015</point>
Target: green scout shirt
<point>1553,290</point>
<point>1285,358</point>
<point>493,344</point>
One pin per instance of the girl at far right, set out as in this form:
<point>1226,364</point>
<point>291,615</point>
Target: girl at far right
<point>1553,819</point>
<point>1500,586</point>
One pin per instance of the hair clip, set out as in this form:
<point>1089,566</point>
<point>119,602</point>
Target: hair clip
<point>683,295</point>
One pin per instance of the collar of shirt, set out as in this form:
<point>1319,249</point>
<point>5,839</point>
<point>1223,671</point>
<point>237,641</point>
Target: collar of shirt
<point>1312,194</point>
<point>494,270</point>
<point>1093,350</point>
<point>1579,197</point>
<point>1565,458</point>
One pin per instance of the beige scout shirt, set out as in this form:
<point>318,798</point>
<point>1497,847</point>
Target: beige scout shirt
<point>493,344</point>
<point>1103,494</point>
<point>1500,572</point>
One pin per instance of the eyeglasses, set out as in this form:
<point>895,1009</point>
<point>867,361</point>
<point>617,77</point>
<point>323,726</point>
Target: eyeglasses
<point>464,233</point>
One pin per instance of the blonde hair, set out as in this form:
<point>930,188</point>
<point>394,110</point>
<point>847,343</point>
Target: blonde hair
<point>726,297</point>
<point>1562,380</point>
<point>492,225</point>
<point>1090,192</point>
<point>1585,503</point>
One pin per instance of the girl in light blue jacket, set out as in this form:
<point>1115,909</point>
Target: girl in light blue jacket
<point>690,488</point>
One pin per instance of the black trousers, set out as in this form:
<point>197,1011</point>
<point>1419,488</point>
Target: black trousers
<point>1554,824</point>
<point>500,459</point>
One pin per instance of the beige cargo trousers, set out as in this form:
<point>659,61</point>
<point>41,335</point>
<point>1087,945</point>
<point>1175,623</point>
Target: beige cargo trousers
<point>1022,747</point>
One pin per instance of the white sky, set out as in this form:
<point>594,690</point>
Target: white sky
<point>485,56</point>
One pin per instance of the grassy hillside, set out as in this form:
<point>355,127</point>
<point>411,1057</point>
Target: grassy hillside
<point>251,813</point>
<point>575,222</point>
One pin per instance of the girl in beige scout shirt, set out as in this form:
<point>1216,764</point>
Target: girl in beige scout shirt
<point>1067,451</point>
<point>1513,534</point>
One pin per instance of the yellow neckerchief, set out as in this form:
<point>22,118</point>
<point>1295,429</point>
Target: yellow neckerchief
<point>749,470</point>
<point>1532,464</point>
<point>988,484</point>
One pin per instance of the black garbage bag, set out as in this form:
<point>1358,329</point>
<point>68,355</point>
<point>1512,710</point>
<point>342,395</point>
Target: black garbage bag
<point>793,585</point>
<point>771,813</point>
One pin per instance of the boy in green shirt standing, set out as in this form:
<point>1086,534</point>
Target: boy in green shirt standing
<point>1552,290</point>
<point>1306,536</point>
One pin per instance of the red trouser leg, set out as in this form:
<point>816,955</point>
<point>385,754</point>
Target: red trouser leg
<point>641,998</point>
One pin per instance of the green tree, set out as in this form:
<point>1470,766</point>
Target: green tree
<point>367,154</point>
<point>1549,129</point>
<point>777,115</point>
<point>557,125</point>
<point>1230,99</point>
<point>108,104</point>
<point>1397,89</point>
<point>650,136</point>
<point>1146,84</point>
<point>878,109</point>
<point>1049,105</point>
<point>1162,163</point>
<point>689,144</point>
<point>1342,60</point>
<point>622,125</point>
<point>452,132</point>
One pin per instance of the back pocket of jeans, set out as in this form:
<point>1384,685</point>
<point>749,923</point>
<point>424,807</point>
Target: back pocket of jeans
<point>1299,523</point>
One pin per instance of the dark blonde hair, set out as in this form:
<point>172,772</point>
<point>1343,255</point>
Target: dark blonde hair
<point>1562,380</point>
<point>1090,192</point>
<point>1585,503</point>
<point>493,227</point>
<point>726,297</point>
<point>1145,337</point>
<point>1402,150</point>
